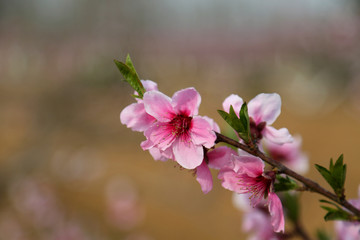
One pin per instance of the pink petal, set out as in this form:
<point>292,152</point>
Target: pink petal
<point>229,180</point>
<point>289,154</point>
<point>201,133</point>
<point>214,126</point>
<point>279,136</point>
<point>160,134</point>
<point>147,144</point>
<point>241,201</point>
<point>265,107</point>
<point>168,153</point>
<point>187,154</point>
<point>250,165</point>
<point>233,100</point>
<point>220,157</point>
<point>204,177</point>
<point>157,155</point>
<point>347,230</point>
<point>135,117</point>
<point>300,164</point>
<point>149,85</point>
<point>276,212</point>
<point>186,102</point>
<point>286,152</point>
<point>159,106</point>
<point>258,223</point>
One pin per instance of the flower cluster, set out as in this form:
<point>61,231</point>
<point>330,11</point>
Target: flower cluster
<point>174,130</point>
<point>257,220</point>
<point>256,173</point>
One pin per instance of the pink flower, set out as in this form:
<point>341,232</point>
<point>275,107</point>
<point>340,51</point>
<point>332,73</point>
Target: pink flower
<point>178,132</point>
<point>203,174</point>
<point>259,223</point>
<point>216,159</point>
<point>158,155</point>
<point>263,111</point>
<point>246,175</point>
<point>204,177</point>
<point>255,220</point>
<point>349,230</point>
<point>134,116</point>
<point>289,154</point>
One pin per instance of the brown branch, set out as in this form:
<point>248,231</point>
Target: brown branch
<point>310,184</point>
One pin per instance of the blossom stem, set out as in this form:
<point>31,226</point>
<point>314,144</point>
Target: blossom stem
<point>310,184</point>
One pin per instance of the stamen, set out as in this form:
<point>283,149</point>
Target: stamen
<point>180,125</point>
<point>257,187</point>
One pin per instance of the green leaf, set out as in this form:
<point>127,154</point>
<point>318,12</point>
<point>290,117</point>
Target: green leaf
<point>231,119</point>
<point>129,63</point>
<point>284,184</point>
<point>325,173</point>
<point>223,114</point>
<point>335,175</point>
<point>291,204</point>
<point>335,213</point>
<point>334,204</point>
<point>331,167</point>
<point>244,118</point>
<point>339,173</point>
<point>240,125</point>
<point>128,71</point>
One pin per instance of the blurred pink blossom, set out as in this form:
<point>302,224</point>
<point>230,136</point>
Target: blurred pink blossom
<point>124,209</point>
<point>79,166</point>
<point>289,154</point>
<point>349,230</point>
<point>35,200</point>
<point>255,220</point>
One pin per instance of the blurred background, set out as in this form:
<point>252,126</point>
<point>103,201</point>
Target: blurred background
<point>70,170</point>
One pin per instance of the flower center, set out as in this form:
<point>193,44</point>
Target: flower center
<point>256,129</point>
<point>260,188</point>
<point>180,125</point>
